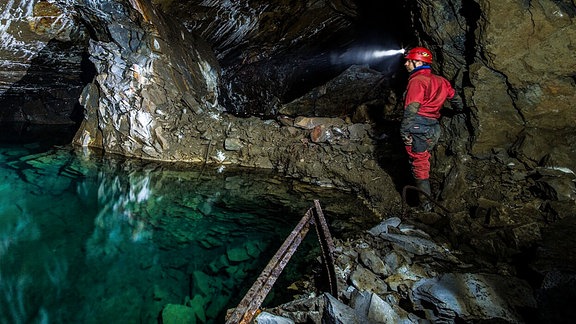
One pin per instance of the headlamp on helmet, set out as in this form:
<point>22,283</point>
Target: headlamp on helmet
<point>419,54</point>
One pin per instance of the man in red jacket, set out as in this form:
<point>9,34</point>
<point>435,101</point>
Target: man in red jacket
<point>420,130</point>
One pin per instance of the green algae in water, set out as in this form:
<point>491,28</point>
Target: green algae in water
<point>92,239</point>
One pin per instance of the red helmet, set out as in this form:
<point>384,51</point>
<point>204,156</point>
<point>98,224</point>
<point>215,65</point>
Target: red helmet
<point>419,54</point>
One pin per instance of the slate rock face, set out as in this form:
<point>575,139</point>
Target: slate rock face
<point>474,296</point>
<point>41,59</point>
<point>510,56</point>
<point>153,78</point>
<point>150,87</point>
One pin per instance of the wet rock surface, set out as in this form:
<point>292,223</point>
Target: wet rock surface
<point>504,255</point>
<point>504,169</point>
<point>42,64</point>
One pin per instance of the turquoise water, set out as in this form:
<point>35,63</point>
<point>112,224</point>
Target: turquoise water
<point>92,239</point>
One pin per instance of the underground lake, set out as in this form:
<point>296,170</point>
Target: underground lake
<point>92,238</point>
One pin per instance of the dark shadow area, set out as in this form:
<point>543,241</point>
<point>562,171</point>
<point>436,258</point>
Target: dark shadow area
<point>384,23</point>
<point>22,133</point>
<point>392,158</point>
<point>471,12</point>
<point>260,88</point>
<point>46,97</point>
<point>378,26</point>
<point>389,23</point>
<point>550,267</point>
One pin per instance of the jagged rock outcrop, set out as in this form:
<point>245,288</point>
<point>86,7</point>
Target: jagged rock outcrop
<point>157,91</point>
<point>513,62</point>
<point>156,99</point>
<point>42,56</point>
<point>168,80</point>
<point>147,86</point>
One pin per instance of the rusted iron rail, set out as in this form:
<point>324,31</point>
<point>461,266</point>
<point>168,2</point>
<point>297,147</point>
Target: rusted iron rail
<point>249,305</point>
<point>327,246</point>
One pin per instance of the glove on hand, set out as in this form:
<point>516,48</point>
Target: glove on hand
<point>410,114</point>
<point>407,139</point>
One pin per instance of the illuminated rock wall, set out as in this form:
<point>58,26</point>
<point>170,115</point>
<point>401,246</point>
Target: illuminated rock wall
<point>41,53</point>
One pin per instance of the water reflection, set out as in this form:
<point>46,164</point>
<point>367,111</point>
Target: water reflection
<point>88,239</point>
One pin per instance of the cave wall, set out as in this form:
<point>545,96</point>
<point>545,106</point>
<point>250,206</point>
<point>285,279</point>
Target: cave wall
<point>528,46</point>
<point>161,67</point>
<point>152,78</point>
<point>268,50</point>
<point>41,64</point>
<point>512,60</point>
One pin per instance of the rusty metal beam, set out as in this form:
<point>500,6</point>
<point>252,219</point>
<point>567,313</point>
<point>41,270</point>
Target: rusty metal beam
<point>327,246</point>
<point>249,305</point>
<point>246,309</point>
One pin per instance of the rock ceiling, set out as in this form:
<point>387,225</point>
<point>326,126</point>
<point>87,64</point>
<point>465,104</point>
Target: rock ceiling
<point>169,79</point>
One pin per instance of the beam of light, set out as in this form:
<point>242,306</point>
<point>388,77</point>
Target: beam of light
<point>384,53</point>
<point>360,55</point>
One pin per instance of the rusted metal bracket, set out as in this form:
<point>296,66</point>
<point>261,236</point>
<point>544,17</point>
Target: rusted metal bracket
<point>249,305</point>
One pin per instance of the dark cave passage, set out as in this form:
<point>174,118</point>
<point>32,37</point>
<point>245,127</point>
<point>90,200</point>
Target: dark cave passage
<point>378,26</point>
<point>260,88</point>
<point>322,108</point>
<point>44,102</point>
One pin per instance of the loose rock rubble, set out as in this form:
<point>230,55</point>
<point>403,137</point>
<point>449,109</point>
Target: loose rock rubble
<point>397,273</point>
<point>492,260</point>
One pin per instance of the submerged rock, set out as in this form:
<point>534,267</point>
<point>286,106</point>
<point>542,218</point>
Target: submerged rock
<point>176,314</point>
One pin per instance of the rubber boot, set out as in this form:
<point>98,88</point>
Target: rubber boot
<point>424,186</point>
